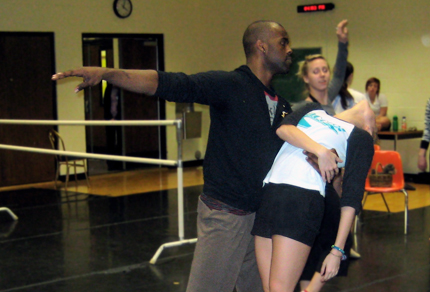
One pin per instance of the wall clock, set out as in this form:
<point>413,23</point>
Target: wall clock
<point>122,8</point>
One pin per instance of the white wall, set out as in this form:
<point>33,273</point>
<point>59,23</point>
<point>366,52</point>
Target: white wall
<point>385,41</point>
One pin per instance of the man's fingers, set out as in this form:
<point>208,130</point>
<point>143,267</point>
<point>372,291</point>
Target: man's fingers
<point>73,73</point>
<point>62,75</point>
<point>336,172</point>
<point>81,86</point>
<point>57,76</point>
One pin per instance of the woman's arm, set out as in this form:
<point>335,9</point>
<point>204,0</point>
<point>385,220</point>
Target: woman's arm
<point>422,159</point>
<point>383,112</point>
<point>422,153</point>
<point>338,72</point>
<point>331,263</point>
<point>341,61</point>
<point>327,160</point>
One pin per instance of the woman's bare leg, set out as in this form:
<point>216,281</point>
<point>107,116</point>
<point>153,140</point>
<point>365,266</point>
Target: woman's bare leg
<point>304,284</point>
<point>382,122</point>
<point>263,254</point>
<point>288,260</point>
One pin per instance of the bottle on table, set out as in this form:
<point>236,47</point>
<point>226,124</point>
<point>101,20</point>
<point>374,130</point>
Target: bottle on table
<point>404,126</point>
<point>395,124</point>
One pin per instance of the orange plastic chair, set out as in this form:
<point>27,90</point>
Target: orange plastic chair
<point>386,157</point>
<point>377,147</point>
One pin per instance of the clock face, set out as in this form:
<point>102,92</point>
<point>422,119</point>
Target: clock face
<point>122,8</point>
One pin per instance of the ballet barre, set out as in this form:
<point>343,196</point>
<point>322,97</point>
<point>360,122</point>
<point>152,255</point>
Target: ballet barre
<point>166,162</point>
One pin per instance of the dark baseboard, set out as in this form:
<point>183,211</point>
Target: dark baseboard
<point>72,177</point>
<point>419,178</point>
<point>81,176</point>
<point>193,163</point>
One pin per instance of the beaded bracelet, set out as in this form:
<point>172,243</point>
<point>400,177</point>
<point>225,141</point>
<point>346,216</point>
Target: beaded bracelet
<point>344,257</point>
<point>336,255</point>
<point>338,248</point>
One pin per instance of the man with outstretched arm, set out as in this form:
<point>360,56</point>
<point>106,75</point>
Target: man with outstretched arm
<point>242,144</point>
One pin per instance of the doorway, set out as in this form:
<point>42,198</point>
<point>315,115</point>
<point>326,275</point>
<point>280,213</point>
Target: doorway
<point>126,51</point>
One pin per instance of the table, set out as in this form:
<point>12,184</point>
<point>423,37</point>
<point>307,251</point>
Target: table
<point>395,136</point>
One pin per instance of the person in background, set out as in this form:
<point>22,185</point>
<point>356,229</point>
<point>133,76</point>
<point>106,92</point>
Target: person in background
<point>315,72</point>
<point>347,96</point>
<point>422,153</point>
<point>323,89</point>
<point>320,87</point>
<point>346,99</point>
<point>378,103</point>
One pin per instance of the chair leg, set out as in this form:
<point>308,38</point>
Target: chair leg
<point>67,175</point>
<point>357,218</point>
<point>365,198</point>
<point>385,202</point>
<point>356,224</point>
<point>76,174</point>
<point>406,210</point>
<point>57,175</point>
<point>85,172</point>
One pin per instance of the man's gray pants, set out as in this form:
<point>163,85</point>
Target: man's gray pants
<point>224,257</point>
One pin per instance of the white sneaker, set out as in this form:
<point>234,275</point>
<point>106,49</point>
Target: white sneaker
<point>353,254</point>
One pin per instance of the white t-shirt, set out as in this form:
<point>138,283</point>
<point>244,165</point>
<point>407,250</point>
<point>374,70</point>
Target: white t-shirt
<point>380,101</point>
<point>290,165</point>
<point>357,96</point>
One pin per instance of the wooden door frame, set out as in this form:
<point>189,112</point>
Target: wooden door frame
<point>159,38</point>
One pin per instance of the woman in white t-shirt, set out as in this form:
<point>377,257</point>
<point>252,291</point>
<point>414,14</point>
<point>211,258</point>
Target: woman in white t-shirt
<point>293,205</point>
<point>378,103</point>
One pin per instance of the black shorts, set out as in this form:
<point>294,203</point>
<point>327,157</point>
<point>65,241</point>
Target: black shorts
<point>289,211</point>
<point>327,237</point>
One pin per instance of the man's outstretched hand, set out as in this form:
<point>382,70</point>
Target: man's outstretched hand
<point>91,75</point>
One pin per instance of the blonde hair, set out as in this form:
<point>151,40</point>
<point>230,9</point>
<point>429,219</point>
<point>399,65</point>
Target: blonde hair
<point>304,67</point>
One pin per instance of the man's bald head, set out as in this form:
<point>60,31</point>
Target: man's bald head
<point>258,30</point>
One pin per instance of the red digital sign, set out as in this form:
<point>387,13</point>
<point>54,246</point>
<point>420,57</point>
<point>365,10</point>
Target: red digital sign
<point>315,7</point>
